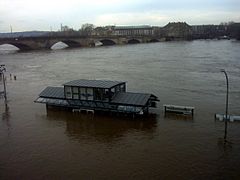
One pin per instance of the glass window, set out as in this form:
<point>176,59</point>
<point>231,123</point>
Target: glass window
<point>113,90</point>
<point>122,88</point>
<point>75,96</point>
<point>75,92</point>
<point>68,92</point>
<point>83,93</point>
<point>90,93</point>
<point>98,93</point>
<point>106,94</point>
<point>117,89</point>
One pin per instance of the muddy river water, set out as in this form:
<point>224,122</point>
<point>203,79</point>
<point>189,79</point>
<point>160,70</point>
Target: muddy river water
<point>37,144</point>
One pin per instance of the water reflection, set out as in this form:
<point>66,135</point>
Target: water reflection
<point>102,128</point>
<point>6,116</point>
<point>174,116</point>
<point>6,113</point>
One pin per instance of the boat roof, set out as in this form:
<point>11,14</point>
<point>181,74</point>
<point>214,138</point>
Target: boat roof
<point>121,98</point>
<point>53,92</point>
<point>130,98</point>
<point>132,27</point>
<point>93,83</point>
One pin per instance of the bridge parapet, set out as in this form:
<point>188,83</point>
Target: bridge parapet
<point>46,42</point>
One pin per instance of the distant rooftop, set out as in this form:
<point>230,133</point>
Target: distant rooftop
<point>132,27</point>
<point>93,83</point>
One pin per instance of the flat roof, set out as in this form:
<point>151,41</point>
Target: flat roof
<point>132,27</point>
<point>129,98</point>
<point>53,92</point>
<point>93,83</point>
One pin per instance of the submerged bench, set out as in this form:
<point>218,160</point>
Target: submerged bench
<point>86,110</point>
<point>186,110</point>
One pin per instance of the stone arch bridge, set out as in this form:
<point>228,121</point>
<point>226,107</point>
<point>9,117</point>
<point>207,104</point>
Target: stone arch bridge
<point>46,42</point>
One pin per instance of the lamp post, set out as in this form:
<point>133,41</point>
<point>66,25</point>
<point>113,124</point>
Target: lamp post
<point>2,70</point>
<point>226,113</point>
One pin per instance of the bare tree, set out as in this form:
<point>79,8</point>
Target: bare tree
<point>87,29</point>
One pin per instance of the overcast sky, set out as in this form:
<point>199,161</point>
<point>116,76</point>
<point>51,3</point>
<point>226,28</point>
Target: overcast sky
<point>26,15</point>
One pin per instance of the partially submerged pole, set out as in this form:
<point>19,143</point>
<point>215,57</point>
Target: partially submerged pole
<point>226,113</point>
<point>2,70</point>
<point>4,86</point>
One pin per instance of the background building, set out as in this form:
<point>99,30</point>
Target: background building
<point>144,30</point>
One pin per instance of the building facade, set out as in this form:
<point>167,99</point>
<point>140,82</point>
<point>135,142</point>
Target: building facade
<point>133,30</point>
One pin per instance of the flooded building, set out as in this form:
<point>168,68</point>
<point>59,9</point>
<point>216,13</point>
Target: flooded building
<point>99,95</point>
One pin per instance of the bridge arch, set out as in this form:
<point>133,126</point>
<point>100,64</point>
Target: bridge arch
<point>9,47</point>
<point>65,44</point>
<point>133,41</point>
<point>58,45</point>
<point>154,40</point>
<point>107,42</point>
<point>72,43</point>
<point>96,43</point>
<point>20,46</point>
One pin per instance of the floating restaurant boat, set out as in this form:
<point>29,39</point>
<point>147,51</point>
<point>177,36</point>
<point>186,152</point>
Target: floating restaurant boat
<point>97,95</point>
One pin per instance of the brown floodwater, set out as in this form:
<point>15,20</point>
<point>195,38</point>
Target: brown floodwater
<point>40,144</point>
